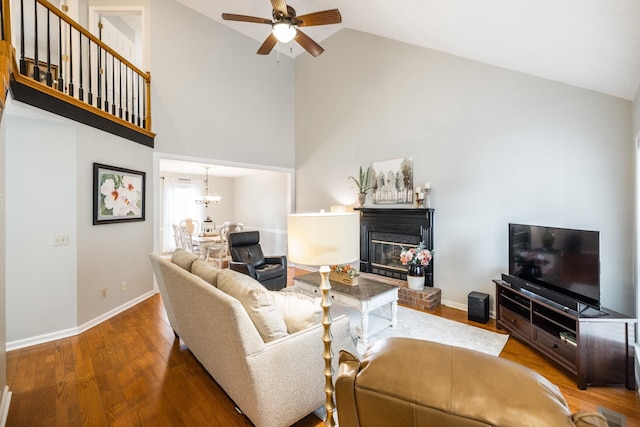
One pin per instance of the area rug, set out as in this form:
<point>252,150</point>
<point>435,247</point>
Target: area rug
<point>419,325</point>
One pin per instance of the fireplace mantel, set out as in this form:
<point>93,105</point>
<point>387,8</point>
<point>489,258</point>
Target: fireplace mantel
<point>404,226</point>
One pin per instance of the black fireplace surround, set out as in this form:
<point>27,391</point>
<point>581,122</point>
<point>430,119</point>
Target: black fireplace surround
<point>384,233</point>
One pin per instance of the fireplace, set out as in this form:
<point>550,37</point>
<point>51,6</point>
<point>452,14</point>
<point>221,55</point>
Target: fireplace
<point>384,233</point>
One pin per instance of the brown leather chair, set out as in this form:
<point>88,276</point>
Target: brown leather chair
<point>409,382</point>
<point>247,258</point>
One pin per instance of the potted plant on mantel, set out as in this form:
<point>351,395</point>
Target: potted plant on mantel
<point>363,184</point>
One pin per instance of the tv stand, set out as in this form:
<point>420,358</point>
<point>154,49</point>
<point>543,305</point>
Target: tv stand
<point>594,345</point>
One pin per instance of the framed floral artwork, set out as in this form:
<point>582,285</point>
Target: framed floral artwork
<point>118,194</point>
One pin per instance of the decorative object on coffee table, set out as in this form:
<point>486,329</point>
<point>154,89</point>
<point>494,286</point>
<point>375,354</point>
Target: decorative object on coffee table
<point>416,258</point>
<point>364,185</point>
<point>344,273</point>
<point>325,239</point>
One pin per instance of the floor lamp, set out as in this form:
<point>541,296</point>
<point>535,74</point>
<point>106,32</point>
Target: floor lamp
<point>325,239</point>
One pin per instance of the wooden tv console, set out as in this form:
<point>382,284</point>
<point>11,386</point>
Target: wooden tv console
<point>596,347</point>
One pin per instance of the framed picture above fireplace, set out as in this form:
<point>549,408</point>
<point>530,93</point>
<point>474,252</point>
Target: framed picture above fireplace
<point>393,181</point>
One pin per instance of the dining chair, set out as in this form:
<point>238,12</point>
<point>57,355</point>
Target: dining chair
<point>177,236</point>
<point>219,254</point>
<point>193,225</point>
<point>187,242</point>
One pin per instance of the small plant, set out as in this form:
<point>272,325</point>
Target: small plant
<point>362,182</point>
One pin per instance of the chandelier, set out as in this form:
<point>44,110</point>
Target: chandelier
<point>206,198</point>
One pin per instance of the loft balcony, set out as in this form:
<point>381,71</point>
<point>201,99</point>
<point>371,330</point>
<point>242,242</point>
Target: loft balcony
<point>57,65</point>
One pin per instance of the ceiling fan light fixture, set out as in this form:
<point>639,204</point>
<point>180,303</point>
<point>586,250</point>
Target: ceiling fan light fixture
<point>284,31</point>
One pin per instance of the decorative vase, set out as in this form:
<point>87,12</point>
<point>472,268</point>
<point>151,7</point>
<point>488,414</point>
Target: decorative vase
<point>362,197</point>
<point>415,277</point>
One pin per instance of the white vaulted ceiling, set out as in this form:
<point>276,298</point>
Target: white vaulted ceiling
<point>593,44</point>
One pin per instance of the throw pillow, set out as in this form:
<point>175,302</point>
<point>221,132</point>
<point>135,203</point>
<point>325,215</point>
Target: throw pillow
<point>298,310</point>
<point>183,259</point>
<point>257,301</point>
<point>206,271</point>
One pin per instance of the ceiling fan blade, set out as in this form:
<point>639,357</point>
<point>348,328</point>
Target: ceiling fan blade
<point>268,45</point>
<point>309,45</point>
<point>280,6</point>
<point>244,18</point>
<point>325,17</point>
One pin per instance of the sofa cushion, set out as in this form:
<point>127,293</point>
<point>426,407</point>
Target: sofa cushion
<point>298,310</point>
<point>183,259</point>
<point>206,271</point>
<point>257,301</point>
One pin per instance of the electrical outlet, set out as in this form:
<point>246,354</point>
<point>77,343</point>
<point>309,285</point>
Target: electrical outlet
<point>124,286</point>
<point>60,240</point>
<point>103,293</point>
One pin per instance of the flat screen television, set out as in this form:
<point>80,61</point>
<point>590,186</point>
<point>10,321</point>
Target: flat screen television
<point>560,264</point>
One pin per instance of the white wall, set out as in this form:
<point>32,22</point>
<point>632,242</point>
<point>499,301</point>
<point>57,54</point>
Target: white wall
<point>212,96</point>
<point>497,146</point>
<point>41,201</point>
<point>263,204</point>
<point>54,290</point>
<point>109,254</point>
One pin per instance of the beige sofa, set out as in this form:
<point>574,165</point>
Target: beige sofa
<point>408,382</point>
<point>248,343</point>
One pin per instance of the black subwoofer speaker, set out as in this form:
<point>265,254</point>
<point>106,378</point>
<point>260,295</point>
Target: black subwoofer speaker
<point>478,304</point>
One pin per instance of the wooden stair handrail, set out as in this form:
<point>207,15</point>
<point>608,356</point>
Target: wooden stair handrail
<point>10,70</point>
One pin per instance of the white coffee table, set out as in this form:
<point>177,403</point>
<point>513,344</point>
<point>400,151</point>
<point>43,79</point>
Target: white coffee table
<point>365,297</point>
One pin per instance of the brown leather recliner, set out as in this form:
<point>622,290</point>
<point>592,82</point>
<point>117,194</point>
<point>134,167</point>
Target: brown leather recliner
<point>409,382</point>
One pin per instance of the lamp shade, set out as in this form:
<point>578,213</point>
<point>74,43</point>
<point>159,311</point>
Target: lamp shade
<point>324,238</point>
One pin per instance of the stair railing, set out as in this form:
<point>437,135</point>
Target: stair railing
<point>63,59</point>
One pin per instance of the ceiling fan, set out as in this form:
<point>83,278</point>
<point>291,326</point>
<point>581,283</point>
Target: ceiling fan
<point>285,26</point>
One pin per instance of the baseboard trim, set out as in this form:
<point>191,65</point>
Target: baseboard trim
<point>66,333</point>
<point>4,405</point>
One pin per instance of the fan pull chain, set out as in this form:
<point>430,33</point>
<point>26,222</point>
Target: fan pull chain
<point>278,53</point>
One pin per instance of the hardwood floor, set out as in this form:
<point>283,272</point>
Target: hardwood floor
<point>131,371</point>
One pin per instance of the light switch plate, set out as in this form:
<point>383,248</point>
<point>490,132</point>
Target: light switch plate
<point>60,240</point>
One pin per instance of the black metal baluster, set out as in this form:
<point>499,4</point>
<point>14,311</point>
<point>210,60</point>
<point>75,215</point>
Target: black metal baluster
<point>81,89</point>
<point>126,90</point>
<point>113,85</point>
<point>36,63</point>
<point>144,105</point>
<point>100,71</point>
<point>90,95</point>
<point>133,97</point>
<point>106,82</point>
<point>23,63</point>
<point>139,77</point>
<point>49,77</point>
<point>60,68</point>
<point>120,86</point>
<point>71,91</point>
